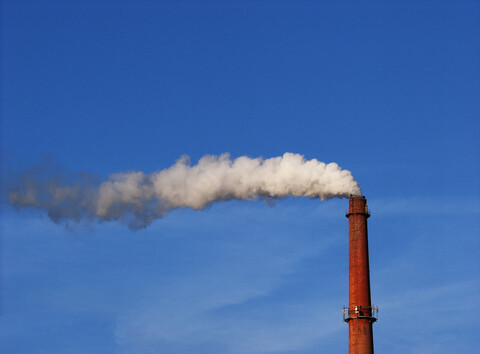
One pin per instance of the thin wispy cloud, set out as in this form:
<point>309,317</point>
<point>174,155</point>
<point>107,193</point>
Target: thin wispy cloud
<point>417,205</point>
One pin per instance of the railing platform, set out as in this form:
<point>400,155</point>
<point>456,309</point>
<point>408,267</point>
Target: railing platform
<point>359,312</point>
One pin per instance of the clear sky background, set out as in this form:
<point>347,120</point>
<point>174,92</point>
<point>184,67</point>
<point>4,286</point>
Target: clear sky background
<point>388,90</point>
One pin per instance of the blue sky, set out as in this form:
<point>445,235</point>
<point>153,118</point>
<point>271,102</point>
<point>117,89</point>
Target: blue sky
<point>388,90</point>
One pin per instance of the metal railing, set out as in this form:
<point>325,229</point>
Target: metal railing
<point>367,212</point>
<point>354,312</point>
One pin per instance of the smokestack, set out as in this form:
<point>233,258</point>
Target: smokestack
<point>360,314</point>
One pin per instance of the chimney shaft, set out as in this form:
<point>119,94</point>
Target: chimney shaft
<point>360,314</point>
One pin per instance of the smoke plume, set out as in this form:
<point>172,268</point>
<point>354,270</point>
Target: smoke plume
<point>137,198</point>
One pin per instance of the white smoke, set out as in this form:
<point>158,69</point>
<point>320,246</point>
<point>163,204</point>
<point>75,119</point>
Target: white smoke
<point>137,198</point>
